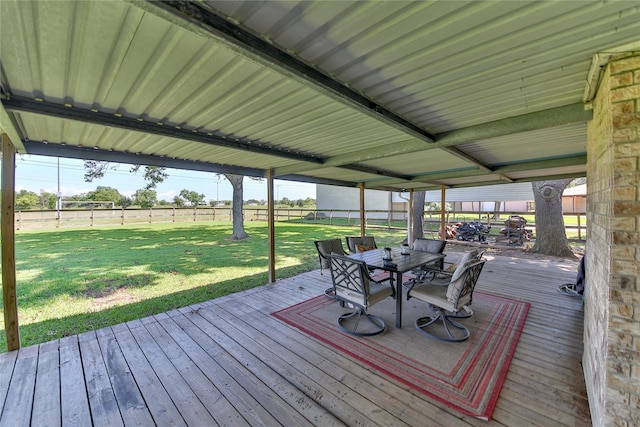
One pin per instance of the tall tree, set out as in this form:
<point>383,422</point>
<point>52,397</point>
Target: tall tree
<point>47,200</point>
<point>193,197</point>
<point>154,175</point>
<point>146,198</point>
<point>105,194</point>
<point>238,220</point>
<point>551,236</point>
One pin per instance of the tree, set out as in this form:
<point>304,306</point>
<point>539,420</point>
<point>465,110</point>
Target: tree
<point>125,202</point>
<point>26,200</point>
<point>178,201</point>
<point>145,198</point>
<point>551,236</point>
<point>105,194</point>
<point>47,200</point>
<point>238,220</point>
<point>192,197</point>
<point>152,174</point>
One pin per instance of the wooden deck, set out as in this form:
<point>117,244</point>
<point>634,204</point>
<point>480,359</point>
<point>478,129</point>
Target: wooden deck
<point>227,362</point>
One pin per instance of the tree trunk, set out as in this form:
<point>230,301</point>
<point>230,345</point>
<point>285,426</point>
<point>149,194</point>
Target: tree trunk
<point>418,215</point>
<point>551,236</point>
<point>238,221</point>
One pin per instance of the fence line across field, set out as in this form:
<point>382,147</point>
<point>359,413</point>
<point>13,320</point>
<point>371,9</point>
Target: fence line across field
<point>390,219</point>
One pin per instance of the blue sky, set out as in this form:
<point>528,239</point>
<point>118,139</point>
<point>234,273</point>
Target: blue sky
<point>35,173</point>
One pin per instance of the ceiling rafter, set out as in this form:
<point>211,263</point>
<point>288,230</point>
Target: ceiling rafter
<point>21,104</point>
<point>259,49</point>
<point>14,103</point>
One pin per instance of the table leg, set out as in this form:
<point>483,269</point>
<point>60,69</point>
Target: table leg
<point>398,300</point>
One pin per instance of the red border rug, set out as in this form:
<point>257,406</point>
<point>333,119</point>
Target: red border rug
<point>466,376</point>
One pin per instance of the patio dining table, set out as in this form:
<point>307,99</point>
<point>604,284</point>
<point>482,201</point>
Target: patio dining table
<point>398,265</point>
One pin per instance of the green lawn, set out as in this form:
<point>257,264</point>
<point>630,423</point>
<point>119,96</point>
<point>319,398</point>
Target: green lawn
<point>74,280</point>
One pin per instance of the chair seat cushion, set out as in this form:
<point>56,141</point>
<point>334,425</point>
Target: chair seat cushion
<point>436,295</point>
<point>364,248</point>
<point>378,292</point>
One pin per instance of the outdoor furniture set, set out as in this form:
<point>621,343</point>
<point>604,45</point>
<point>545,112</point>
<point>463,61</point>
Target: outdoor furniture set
<point>446,291</point>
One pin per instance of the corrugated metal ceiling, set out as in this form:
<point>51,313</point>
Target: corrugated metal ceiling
<point>332,92</point>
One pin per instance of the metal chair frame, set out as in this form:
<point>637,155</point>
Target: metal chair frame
<point>451,303</point>
<point>352,285</point>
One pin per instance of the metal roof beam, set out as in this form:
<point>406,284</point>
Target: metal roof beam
<point>543,164</point>
<point>15,103</point>
<point>552,117</point>
<point>106,119</point>
<point>567,114</point>
<point>375,171</point>
<point>203,18</point>
<point>86,153</point>
<point>435,178</point>
<point>6,126</point>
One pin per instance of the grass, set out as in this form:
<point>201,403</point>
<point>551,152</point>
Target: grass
<point>75,280</point>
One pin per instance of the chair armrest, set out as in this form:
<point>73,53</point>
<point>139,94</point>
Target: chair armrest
<point>388,279</point>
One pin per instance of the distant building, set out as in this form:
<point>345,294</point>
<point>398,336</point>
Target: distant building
<point>574,199</point>
<point>490,198</point>
<point>517,197</point>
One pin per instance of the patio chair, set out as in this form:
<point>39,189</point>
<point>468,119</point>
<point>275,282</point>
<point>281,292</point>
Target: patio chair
<point>326,248</point>
<point>360,244</point>
<point>353,286</point>
<point>452,302</point>
<point>441,276</point>
<point>426,245</point>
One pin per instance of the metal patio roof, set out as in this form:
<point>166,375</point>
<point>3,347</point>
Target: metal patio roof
<point>394,95</point>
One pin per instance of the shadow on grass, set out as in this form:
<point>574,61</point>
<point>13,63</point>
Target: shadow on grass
<point>101,264</point>
<point>48,330</point>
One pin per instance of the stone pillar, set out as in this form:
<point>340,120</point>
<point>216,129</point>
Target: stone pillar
<point>611,359</point>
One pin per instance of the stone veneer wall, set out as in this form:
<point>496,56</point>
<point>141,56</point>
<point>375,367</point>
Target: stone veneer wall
<point>612,291</point>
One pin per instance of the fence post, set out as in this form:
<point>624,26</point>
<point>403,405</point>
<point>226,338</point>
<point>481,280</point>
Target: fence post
<point>91,216</point>
<point>122,217</point>
<point>195,214</point>
<point>19,219</point>
<point>150,215</point>
<point>579,231</point>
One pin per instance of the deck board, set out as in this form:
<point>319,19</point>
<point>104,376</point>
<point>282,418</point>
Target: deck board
<point>228,362</point>
<point>46,400</point>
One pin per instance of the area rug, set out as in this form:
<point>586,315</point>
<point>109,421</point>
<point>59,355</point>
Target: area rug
<point>466,376</point>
